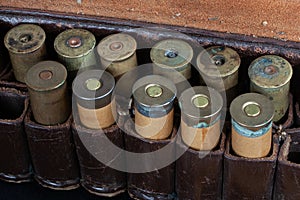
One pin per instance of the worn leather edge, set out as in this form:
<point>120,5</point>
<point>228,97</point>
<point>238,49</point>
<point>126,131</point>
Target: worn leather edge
<point>26,104</point>
<point>283,154</point>
<point>285,169</point>
<point>243,43</point>
<point>11,84</point>
<point>51,184</point>
<point>19,178</point>
<point>294,132</point>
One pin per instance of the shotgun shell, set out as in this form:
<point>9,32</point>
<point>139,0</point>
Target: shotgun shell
<point>270,75</point>
<point>118,53</point>
<point>46,82</point>
<point>93,90</point>
<point>172,54</point>
<point>200,117</point>
<point>26,46</point>
<point>153,102</point>
<point>252,116</point>
<point>223,64</point>
<point>75,49</point>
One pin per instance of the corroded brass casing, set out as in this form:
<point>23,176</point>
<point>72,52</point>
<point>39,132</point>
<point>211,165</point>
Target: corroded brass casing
<point>218,67</point>
<point>200,117</point>
<point>118,53</point>
<point>26,46</point>
<point>93,90</point>
<point>252,116</point>
<point>75,49</point>
<point>270,75</point>
<point>47,86</point>
<point>170,57</point>
<point>153,101</point>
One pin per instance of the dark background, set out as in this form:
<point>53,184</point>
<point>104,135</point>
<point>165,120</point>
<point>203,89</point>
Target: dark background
<point>33,191</point>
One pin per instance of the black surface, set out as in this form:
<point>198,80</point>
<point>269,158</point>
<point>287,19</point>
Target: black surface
<point>33,191</point>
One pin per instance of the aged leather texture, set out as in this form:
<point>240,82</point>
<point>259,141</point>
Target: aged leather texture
<point>53,154</point>
<point>158,184</point>
<point>14,157</point>
<point>199,174</point>
<point>249,178</point>
<point>288,170</point>
<point>98,177</point>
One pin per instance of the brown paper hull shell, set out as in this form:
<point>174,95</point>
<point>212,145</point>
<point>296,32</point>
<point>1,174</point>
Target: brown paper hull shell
<point>257,147</point>
<point>96,118</point>
<point>154,128</point>
<point>201,138</point>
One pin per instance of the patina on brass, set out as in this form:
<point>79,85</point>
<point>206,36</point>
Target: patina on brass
<point>170,57</point>
<point>270,75</point>
<point>218,66</point>
<point>46,82</point>
<point>26,46</point>
<point>75,49</point>
<point>118,53</point>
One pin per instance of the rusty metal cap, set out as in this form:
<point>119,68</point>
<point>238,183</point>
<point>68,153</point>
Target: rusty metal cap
<point>252,110</point>
<point>154,95</point>
<point>270,71</point>
<point>218,61</point>
<point>117,47</point>
<point>46,76</point>
<point>93,88</point>
<point>172,53</point>
<point>200,104</point>
<point>24,38</point>
<point>74,43</point>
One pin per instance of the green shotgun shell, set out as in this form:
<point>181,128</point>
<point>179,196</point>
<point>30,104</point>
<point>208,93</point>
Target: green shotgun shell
<point>26,46</point>
<point>117,53</point>
<point>75,49</point>
<point>171,56</point>
<point>46,82</point>
<point>218,66</point>
<point>270,75</point>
